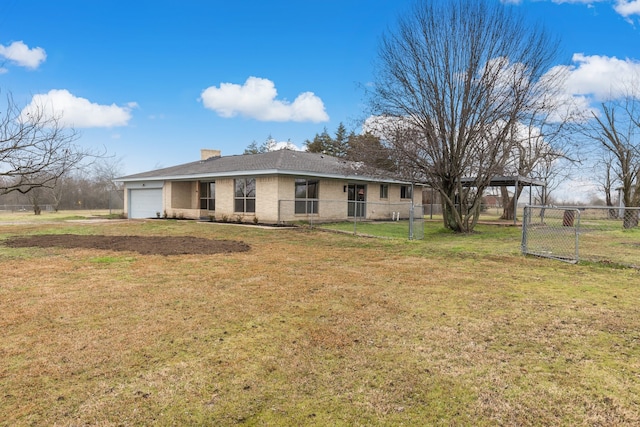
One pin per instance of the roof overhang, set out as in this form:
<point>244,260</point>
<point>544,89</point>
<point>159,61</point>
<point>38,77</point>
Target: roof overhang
<point>265,172</point>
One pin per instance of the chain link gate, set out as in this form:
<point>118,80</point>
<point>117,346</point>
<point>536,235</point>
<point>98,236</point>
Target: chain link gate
<point>551,232</point>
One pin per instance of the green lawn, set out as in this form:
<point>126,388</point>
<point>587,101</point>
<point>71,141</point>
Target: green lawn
<point>390,229</point>
<point>313,328</point>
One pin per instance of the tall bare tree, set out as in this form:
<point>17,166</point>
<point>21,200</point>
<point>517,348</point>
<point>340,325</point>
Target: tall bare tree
<point>454,79</point>
<point>35,149</point>
<point>607,180</point>
<point>617,131</point>
<point>538,144</point>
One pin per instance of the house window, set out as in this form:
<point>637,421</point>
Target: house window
<point>306,196</point>
<point>245,195</point>
<point>405,192</point>
<point>208,196</point>
<point>384,191</point>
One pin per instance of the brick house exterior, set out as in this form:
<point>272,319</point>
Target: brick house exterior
<point>275,187</point>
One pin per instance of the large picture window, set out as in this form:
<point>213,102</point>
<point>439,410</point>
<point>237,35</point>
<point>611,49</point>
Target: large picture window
<point>245,195</point>
<point>306,196</point>
<point>208,196</point>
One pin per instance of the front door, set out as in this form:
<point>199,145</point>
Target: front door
<point>357,196</point>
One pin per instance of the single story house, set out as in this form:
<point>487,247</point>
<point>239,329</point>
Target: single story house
<point>275,187</point>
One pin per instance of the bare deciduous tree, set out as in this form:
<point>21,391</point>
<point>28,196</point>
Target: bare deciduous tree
<point>607,180</point>
<point>35,149</point>
<point>105,172</point>
<point>539,144</point>
<point>617,132</point>
<point>454,79</point>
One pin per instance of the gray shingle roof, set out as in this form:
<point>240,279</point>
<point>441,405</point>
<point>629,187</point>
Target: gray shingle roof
<point>280,162</point>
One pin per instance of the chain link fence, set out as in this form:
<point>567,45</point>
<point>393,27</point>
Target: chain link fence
<point>416,223</point>
<point>598,234</point>
<point>402,220</point>
<point>24,208</point>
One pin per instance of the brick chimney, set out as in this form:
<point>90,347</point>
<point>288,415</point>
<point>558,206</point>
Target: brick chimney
<point>206,153</point>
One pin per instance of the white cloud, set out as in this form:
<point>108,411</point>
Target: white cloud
<point>627,8</point>
<point>256,99</point>
<point>601,77</point>
<point>589,81</point>
<point>20,54</point>
<point>78,112</point>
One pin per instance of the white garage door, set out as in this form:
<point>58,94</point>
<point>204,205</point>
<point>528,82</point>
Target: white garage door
<point>145,203</point>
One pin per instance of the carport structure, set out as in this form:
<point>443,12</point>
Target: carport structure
<point>515,182</point>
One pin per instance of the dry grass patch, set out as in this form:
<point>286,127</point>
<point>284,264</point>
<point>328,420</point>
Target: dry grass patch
<point>312,328</point>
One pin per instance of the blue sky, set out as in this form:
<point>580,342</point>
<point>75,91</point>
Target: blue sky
<point>155,81</point>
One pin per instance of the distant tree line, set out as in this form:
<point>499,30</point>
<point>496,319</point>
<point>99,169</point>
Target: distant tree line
<point>90,187</point>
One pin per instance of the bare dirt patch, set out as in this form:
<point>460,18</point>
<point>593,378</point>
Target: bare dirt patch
<point>146,245</point>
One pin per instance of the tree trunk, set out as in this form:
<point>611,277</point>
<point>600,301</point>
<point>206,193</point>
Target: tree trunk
<point>508,202</point>
<point>449,217</point>
<point>451,208</point>
<point>613,213</point>
<point>458,216</point>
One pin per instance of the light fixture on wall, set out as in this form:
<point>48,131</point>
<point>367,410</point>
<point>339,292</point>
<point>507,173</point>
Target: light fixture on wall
<point>344,188</point>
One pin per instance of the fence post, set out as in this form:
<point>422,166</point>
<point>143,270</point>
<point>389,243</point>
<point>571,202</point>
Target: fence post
<point>525,228</point>
<point>411,222</point>
<point>577,230</point>
<point>355,217</point>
